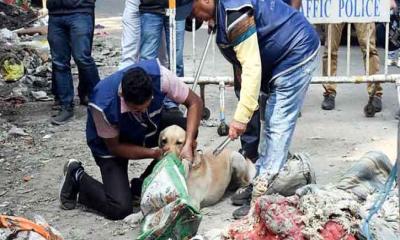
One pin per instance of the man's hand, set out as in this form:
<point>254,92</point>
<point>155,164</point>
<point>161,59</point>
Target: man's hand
<point>158,153</point>
<point>187,152</point>
<point>236,129</point>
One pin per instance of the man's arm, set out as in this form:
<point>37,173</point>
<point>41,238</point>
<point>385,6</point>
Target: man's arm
<point>243,35</point>
<point>179,92</point>
<point>130,151</point>
<point>110,135</point>
<point>195,106</point>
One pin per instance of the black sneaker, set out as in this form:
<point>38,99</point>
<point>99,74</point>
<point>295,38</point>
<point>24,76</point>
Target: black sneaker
<point>377,103</point>
<point>242,195</point>
<point>329,102</point>
<point>242,211</point>
<point>69,187</point>
<point>63,116</point>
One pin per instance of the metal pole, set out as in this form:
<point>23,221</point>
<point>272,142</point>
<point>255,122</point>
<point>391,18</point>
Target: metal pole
<point>194,45</point>
<point>386,46</point>
<point>213,58</point>
<point>368,47</point>
<point>381,78</point>
<point>172,35</point>
<point>329,48</point>
<point>348,48</point>
<point>398,157</point>
<point>203,58</point>
<point>222,101</point>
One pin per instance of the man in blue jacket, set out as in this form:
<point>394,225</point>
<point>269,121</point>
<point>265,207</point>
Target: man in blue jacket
<point>250,139</point>
<point>274,49</point>
<point>71,26</point>
<point>125,118</point>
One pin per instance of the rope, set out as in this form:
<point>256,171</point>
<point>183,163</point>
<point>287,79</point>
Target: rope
<point>379,201</point>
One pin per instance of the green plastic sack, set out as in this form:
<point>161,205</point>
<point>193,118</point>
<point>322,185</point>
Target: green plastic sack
<point>166,204</point>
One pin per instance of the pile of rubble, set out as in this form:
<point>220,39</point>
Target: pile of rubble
<point>25,65</point>
<point>25,61</point>
<point>104,52</point>
<point>331,212</point>
<point>12,17</point>
<point>25,69</point>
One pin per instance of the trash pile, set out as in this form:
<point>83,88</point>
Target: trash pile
<point>21,228</point>
<point>25,65</point>
<point>331,212</point>
<point>25,61</point>
<point>13,17</point>
<point>25,68</point>
<point>105,53</point>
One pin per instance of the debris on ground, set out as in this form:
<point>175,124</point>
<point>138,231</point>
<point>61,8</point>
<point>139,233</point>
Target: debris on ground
<point>295,173</point>
<point>105,53</point>
<point>21,228</point>
<point>15,131</point>
<point>212,122</point>
<point>13,17</point>
<point>332,212</point>
<point>25,69</point>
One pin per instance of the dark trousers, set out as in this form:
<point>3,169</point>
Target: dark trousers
<point>72,34</point>
<point>113,197</point>
<point>251,137</point>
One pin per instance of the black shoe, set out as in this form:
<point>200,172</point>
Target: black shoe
<point>69,187</point>
<point>242,196</point>
<point>329,102</point>
<point>377,103</point>
<point>242,211</point>
<point>63,116</point>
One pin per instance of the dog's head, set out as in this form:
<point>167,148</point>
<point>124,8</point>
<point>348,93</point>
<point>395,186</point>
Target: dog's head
<point>172,139</point>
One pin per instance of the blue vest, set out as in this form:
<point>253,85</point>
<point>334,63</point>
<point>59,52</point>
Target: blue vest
<point>285,37</point>
<point>132,129</point>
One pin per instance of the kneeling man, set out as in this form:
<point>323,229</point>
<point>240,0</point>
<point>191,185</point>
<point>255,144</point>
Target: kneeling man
<point>125,117</point>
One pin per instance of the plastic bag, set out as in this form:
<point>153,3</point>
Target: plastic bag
<point>12,70</point>
<point>166,204</point>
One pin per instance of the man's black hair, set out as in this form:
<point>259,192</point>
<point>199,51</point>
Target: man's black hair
<point>136,86</point>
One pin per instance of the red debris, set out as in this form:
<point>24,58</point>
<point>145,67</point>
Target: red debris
<point>278,218</point>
